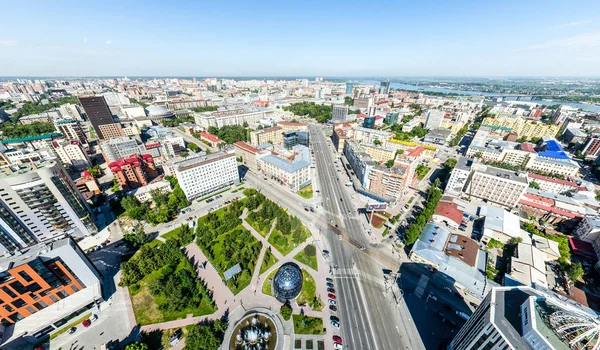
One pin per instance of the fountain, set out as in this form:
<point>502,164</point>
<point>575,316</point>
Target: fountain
<point>256,331</point>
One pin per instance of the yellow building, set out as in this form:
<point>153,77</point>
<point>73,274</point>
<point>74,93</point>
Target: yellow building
<point>429,152</point>
<point>522,127</point>
<point>379,153</point>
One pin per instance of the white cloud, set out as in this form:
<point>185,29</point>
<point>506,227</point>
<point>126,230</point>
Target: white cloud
<point>85,40</point>
<point>8,43</point>
<point>573,24</point>
<point>108,42</point>
<point>576,42</point>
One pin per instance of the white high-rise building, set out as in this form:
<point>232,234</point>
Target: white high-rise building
<point>340,113</point>
<point>38,201</point>
<point>434,119</point>
<point>528,318</point>
<point>71,154</point>
<point>201,175</point>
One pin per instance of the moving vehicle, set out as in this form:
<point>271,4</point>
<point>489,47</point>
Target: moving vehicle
<point>463,315</point>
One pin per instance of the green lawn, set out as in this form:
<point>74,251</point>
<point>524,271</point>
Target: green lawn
<point>171,234</point>
<point>267,284</point>
<point>310,261</point>
<point>65,328</point>
<point>385,232</point>
<point>268,261</point>
<point>284,243</point>
<point>422,171</point>
<point>309,289</point>
<point>145,305</point>
<point>154,242</point>
<point>308,325</point>
<point>306,192</point>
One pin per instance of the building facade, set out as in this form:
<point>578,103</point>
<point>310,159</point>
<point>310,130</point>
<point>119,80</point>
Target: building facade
<point>98,113</point>
<point>199,176</point>
<point>135,171</point>
<point>268,135</point>
<point>339,113</point>
<point>72,154</point>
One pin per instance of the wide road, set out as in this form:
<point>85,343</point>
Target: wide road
<point>369,319</point>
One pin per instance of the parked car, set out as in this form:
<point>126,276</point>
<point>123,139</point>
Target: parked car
<point>332,308</point>
<point>72,330</point>
<point>331,296</point>
<point>337,346</point>
<point>86,323</point>
<point>335,324</point>
<point>329,284</point>
<point>330,290</point>
<point>334,318</point>
<point>328,279</point>
<point>337,339</point>
<point>94,317</point>
<point>332,302</point>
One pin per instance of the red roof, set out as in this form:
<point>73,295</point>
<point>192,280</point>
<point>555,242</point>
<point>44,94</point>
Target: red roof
<point>246,147</point>
<point>86,174</point>
<point>551,209</point>
<point>534,197</point>
<point>553,180</point>
<point>528,147</point>
<point>134,160</point>
<point>378,117</point>
<point>415,152</point>
<point>449,210</point>
<point>209,137</point>
<point>582,248</point>
<point>152,145</point>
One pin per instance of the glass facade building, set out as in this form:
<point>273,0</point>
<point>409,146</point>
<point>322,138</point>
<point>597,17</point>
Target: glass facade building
<point>287,282</point>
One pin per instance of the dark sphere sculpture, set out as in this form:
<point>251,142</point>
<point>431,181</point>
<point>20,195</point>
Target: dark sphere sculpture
<point>287,282</point>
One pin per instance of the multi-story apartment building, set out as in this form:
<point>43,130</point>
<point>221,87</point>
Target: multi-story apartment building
<point>434,118</point>
<point>238,116</point>
<point>42,289</point>
<point>525,317</point>
<point>552,185</point>
<point>522,127</point>
<point>379,153</point>
<point>366,135</point>
<point>248,154</point>
<point>135,171</point>
<point>290,167</point>
<point>340,113</point>
<point>202,175</point>
<point>71,154</point>
<point>496,185</point>
<point>268,135</point>
<point>100,117</point>
<point>72,130</point>
<point>588,230</point>
<point>121,147</point>
<point>38,202</point>
<point>459,178</point>
<point>292,126</point>
<point>591,149</point>
<point>144,193</point>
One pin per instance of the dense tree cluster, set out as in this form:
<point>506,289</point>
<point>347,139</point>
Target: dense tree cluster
<point>434,194</point>
<point>206,336</point>
<point>225,245</point>
<point>134,101</point>
<point>456,140</point>
<point>204,109</point>
<point>422,171</point>
<point>13,130</point>
<point>150,259</point>
<point>417,132</point>
<point>321,113</point>
<point>175,122</point>
<point>29,108</point>
<point>230,133</point>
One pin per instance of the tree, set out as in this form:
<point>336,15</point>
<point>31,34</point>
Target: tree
<point>286,311</point>
<point>349,101</point>
<point>534,185</point>
<point>597,192</point>
<point>310,250</point>
<point>133,208</point>
<point>450,163</point>
<point>137,346</point>
<point>95,171</point>
<point>193,147</point>
<point>389,163</point>
<point>135,240</point>
<point>377,142</point>
<point>115,186</point>
<point>184,154</point>
<point>574,271</point>
<point>478,155</point>
<point>205,336</point>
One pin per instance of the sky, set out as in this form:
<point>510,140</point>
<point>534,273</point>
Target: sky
<point>300,38</point>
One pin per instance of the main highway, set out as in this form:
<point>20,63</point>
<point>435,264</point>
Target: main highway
<point>369,318</point>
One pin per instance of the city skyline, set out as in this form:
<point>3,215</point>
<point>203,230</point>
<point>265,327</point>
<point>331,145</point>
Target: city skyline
<point>244,40</point>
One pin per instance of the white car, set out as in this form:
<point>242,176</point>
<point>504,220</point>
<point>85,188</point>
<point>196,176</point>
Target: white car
<point>337,346</point>
<point>335,324</point>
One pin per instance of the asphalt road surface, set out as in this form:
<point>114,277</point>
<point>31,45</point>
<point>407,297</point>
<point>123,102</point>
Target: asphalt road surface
<point>369,318</point>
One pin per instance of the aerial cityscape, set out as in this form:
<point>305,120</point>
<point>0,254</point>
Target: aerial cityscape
<point>181,182</point>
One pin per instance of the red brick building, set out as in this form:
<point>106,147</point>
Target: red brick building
<point>135,171</point>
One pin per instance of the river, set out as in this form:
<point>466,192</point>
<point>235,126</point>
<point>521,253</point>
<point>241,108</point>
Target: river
<point>582,106</point>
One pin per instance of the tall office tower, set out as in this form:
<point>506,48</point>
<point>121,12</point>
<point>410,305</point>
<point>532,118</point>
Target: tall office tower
<point>349,88</point>
<point>100,116</point>
<point>384,87</point>
<point>528,318</point>
<point>340,113</point>
<point>38,202</point>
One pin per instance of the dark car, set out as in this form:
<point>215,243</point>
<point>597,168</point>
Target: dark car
<point>337,339</point>
<point>329,284</point>
<point>446,306</point>
<point>332,308</point>
<point>328,279</point>
<point>72,330</point>
<point>330,290</point>
<point>334,318</point>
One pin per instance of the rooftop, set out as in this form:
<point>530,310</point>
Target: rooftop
<point>552,149</point>
<point>449,210</point>
<point>553,180</point>
<point>246,147</point>
<point>300,160</point>
<point>500,220</point>
<point>506,174</point>
<point>31,138</point>
<point>198,160</point>
<point>463,248</point>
